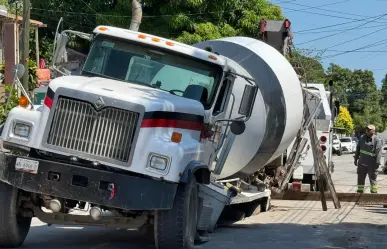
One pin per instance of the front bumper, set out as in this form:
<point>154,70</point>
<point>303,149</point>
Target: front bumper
<point>90,185</point>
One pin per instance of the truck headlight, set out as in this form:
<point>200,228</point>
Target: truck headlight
<point>158,162</point>
<point>22,130</point>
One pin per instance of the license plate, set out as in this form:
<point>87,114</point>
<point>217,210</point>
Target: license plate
<point>25,165</point>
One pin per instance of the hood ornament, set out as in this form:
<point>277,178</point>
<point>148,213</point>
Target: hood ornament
<point>99,103</point>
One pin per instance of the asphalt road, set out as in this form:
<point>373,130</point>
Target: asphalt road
<point>289,225</point>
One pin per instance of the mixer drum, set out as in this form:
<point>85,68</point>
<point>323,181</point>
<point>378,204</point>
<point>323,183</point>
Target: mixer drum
<point>278,109</point>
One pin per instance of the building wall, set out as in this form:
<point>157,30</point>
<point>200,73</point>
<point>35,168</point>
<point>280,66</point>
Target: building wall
<point>9,52</point>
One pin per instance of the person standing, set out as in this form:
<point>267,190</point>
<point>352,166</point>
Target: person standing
<point>367,159</point>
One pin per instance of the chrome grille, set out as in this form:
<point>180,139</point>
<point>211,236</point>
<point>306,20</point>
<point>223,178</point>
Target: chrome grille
<point>107,133</point>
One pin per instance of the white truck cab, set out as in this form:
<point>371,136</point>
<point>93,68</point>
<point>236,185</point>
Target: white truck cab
<point>133,134</point>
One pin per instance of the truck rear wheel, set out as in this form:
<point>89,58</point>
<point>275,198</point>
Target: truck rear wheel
<point>176,228</point>
<point>13,228</point>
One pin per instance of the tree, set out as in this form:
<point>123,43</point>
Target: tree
<point>308,66</point>
<point>344,120</point>
<point>191,20</point>
<point>341,78</point>
<point>383,100</point>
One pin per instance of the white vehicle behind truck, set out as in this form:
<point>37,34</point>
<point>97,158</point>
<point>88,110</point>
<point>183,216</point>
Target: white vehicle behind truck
<point>305,173</point>
<point>336,147</point>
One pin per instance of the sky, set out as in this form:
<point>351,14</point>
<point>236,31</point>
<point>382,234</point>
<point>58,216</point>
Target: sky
<point>361,43</point>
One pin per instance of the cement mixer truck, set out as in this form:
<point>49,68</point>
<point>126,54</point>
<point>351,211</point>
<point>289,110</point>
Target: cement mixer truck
<point>153,133</point>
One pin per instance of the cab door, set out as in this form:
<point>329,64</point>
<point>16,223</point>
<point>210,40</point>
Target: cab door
<point>214,132</point>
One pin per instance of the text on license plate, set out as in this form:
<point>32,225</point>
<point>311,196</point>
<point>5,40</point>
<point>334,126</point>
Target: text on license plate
<point>25,165</point>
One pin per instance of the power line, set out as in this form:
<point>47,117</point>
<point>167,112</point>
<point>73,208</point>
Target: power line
<point>347,51</point>
<point>381,42</point>
<point>336,30</point>
<point>339,33</point>
<point>335,25</point>
<point>373,55</point>
<point>334,11</point>
<point>94,11</point>
<point>129,16</point>
<point>355,39</point>
<point>326,15</point>
<point>317,7</point>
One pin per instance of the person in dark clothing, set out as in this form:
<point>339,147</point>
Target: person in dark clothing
<point>367,159</point>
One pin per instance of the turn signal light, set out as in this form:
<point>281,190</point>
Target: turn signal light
<point>323,148</point>
<point>23,101</point>
<point>323,139</point>
<point>176,137</point>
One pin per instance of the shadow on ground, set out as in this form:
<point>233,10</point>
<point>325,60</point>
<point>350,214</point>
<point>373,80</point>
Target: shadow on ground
<point>237,236</point>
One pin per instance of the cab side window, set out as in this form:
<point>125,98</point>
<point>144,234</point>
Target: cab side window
<point>220,101</point>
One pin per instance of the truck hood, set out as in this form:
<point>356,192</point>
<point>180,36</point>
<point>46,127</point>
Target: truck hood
<point>152,99</point>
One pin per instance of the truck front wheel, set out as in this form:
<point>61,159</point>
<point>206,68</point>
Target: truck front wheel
<point>176,228</point>
<point>13,228</point>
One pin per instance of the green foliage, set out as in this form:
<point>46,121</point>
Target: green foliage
<point>344,120</point>
<point>357,90</point>
<point>32,75</point>
<point>188,21</point>
<point>12,102</point>
<point>308,66</point>
<point>383,100</point>
<point>45,48</point>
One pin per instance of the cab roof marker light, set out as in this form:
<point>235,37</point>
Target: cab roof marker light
<point>212,57</point>
<point>168,43</point>
<point>155,39</point>
<point>102,28</point>
<point>142,36</point>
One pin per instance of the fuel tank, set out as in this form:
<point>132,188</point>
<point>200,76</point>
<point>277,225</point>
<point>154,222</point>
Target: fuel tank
<point>278,108</point>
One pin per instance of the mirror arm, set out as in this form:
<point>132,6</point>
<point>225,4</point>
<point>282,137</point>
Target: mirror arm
<point>227,126</point>
<point>249,80</point>
<point>56,69</point>
<point>19,84</point>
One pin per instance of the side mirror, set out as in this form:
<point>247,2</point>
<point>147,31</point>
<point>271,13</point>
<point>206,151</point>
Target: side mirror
<point>237,127</point>
<point>247,102</point>
<point>60,50</point>
<point>18,71</point>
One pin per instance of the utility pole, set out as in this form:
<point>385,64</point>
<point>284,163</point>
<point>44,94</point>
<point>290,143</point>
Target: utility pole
<point>136,15</point>
<point>26,40</point>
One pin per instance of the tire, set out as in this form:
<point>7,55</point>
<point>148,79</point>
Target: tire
<point>176,228</point>
<point>13,228</point>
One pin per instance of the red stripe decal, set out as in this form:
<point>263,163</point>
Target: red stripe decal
<point>48,102</point>
<point>170,123</point>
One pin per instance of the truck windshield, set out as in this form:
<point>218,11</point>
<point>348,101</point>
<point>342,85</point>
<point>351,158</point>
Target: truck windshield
<point>150,66</point>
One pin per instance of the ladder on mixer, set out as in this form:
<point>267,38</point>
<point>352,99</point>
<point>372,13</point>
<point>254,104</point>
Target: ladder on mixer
<point>322,172</point>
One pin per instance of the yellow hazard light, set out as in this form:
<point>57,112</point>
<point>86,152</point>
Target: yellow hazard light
<point>212,57</point>
<point>176,137</point>
<point>23,101</point>
<point>102,28</point>
<point>169,43</point>
<point>142,36</point>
